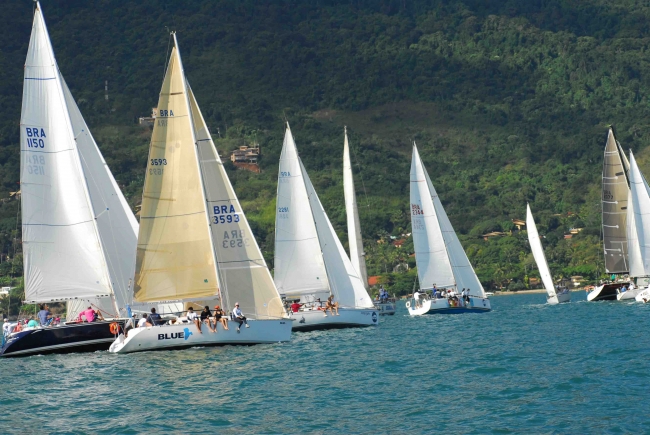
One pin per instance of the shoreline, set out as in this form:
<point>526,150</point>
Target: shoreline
<point>534,291</point>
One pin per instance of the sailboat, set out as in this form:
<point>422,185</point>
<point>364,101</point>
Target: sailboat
<point>441,261</point>
<point>553,294</point>
<point>357,255</point>
<point>638,234</point>
<point>310,262</point>
<point>194,242</point>
<point>614,204</point>
<point>78,232</point>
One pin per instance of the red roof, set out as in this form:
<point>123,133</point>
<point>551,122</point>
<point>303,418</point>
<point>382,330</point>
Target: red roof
<point>399,242</point>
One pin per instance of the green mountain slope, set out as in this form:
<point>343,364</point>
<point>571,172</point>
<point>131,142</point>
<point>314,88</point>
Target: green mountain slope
<point>509,102</point>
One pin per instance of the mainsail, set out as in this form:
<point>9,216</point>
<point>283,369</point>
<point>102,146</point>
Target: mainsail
<point>194,241</point>
<point>638,223</point>
<point>357,256</point>
<point>78,231</point>
<point>440,258</point>
<point>309,257</point>
<point>614,205</point>
<point>538,253</point>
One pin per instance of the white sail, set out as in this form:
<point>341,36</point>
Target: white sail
<point>638,214</point>
<point>430,252</point>
<point>443,258</point>
<point>243,274</point>
<point>355,241</point>
<point>299,264</point>
<point>62,249</point>
<point>344,281</point>
<point>538,253</point>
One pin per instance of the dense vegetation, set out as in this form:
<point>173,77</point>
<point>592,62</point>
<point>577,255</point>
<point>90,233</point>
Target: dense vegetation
<point>509,101</point>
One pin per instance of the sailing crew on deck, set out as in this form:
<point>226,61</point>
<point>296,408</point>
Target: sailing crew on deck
<point>239,317</point>
<point>194,318</point>
<point>295,307</point>
<point>44,316</point>
<point>144,322</point>
<point>416,296</point>
<point>220,316</point>
<point>205,318</point>
<point>331,305</point>
<point>87,316</point>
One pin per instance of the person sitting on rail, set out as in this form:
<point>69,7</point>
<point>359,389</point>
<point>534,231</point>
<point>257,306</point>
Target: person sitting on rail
<point>220,316</point>
<point>205,317</point>
<point>331,305</point>
<point>194,318</point>
<point>239,317</point>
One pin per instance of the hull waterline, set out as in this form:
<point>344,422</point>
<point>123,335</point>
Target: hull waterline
<point>348,318</point>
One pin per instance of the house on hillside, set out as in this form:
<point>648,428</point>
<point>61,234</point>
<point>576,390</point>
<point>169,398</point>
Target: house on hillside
<point>246,157</point>
<point>493,234</point>
<point>148,121</point>
<point>519,223</point>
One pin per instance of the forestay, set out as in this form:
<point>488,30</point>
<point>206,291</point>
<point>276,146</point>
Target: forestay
<point>443,258</point>
<point>62,250</point>
<point>357,256</point>
<point>175,257</point>
<point>638,214</point>
<point>299,264</point>
<point>538,253</point>
<point>243,274</point>
<point>614,205</point>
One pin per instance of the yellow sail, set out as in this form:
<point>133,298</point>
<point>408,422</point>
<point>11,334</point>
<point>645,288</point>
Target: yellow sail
<point>243,273</point>
<point>175,259</point>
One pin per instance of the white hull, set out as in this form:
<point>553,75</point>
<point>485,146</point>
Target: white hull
<point>386,308</point>
<point>559,298</point>
<point>628,295</point>
<point>643,296</point>
<point>347,318</point>
<point>442,306</point>
<point>187,335</point>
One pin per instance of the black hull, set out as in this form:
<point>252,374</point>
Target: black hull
<point>80,337</point>
<point>609,292</point>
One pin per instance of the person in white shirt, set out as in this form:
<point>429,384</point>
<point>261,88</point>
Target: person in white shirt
<point>194,318</point>
<point>143,323</point>
<point>416,296</point>
<point>239,316</point>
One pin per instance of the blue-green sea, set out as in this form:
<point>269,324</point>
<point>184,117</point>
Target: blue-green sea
<point>525,367</point>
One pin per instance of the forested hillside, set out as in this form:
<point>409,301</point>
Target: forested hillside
<point>509,101</point>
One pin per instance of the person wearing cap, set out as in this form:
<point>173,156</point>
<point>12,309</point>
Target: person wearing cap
<point>220,316</point>
<point>193,317</point>
<point>239,316</point>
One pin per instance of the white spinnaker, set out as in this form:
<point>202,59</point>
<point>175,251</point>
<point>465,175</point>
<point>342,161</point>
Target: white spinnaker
<point>116,223</point>
<point>299,265</point>
<point>640,195</point>
<point>431,256</point>
<point>354,226</point>
<point>62,252</point>
<point>344,281</point>
<point>243,274</point>
<point>538,253</point>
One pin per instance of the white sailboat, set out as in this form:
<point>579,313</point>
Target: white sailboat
<point>553,296</point>
<point>310,262</point>
<point>79,234</point>
<point>638,234</point>
<point>357,255</point>
<point>614,204</point>
<point>440,258</point>
<point>194,242</point>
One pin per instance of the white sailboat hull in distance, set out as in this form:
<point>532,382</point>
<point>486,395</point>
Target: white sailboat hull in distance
<point>643,296</point>
<point>348,318</point>
<point>442,306</point>
<point>185,335</point>
<point>559,298</point>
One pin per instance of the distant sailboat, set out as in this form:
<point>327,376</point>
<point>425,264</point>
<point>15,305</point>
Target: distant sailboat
<point>440,258</point>
<point>552,295</point>
<point>614,205</point>
<point>79,234</point>
<point>194,242</point>
<point>357,255</point>
<point>310,262</point>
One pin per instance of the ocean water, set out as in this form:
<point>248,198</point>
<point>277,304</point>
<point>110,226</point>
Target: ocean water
<point>525,367</point>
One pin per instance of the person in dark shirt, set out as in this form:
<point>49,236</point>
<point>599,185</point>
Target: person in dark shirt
<point>154,318</point>
<point>205,318</point>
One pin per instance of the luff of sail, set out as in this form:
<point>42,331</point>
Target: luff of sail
<point>175,257</point>
<point>444,260</point>
<point>614,204</point>
<point>62,249</point>
<point>354,226</point>
<point>243,274</point>
<point>638,222</point>
<point>538,253</point>
<point>299,264</point>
